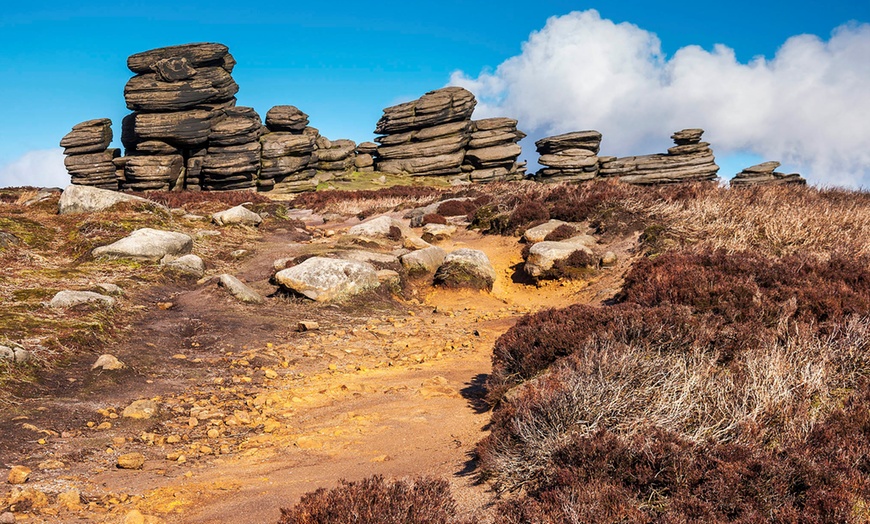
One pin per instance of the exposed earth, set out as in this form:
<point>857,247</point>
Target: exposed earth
<point>254,412</point>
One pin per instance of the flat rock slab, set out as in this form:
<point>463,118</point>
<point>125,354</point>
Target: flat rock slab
<point>380,227</point>
<point>86,199</point>
<point>327,279</point>
<point>190,265</point>
<point>238,215</point>
<point>466,268</point>
<point>239,289</point>
<point>67,299</point>
<point>147,244</point>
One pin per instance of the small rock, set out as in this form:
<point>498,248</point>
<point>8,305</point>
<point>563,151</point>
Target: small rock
<point>239,253</point>
<point>238,215</point>
<point>187,265</point>
<point>207,233</point>
<point>609,259</point>
<point>7,518</point>
<point>67,299</point>
<point>307,325</point>
<point>538,233</point>
<point>108,362</point>
<point>131,461</point>
<point>423,261</point>
<point>110,289</point>
<point>71,499</point>
<point>543,255</point>
<point>140,409</point>
<point>239,290</point>
<point>381,227</point>
<point>415,242</point>
<point>51,464</point>
<point>437,232</point>
<point>19,474</point>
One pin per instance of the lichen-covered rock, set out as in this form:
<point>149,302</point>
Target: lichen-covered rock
<point>147,244</point>
<point>543,255</point>
<point>239,289</point>
<point>187,265</point>
<point>67,299</point>
<point>381,227</point>
<point>239,215</point>
<point>423,261</point>
<point>466,268</point>
<point>85,199</point>
<point>327,279</point>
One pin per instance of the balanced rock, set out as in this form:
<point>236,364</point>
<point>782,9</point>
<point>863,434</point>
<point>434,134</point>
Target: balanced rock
<point>466,268</point>
<point>93,169</point>
<point>326,279</point>
<point>449,104</point>
<point>147,244</point>
<point>286,118</point>
<point>689,161</point>
<point>91,136</point>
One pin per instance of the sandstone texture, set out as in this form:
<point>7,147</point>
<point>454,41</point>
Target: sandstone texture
<point>765,174</point>
<point>147,244</point>
<point>327,279</point>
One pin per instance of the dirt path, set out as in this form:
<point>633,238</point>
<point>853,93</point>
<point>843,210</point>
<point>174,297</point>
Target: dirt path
<point>255,414</point>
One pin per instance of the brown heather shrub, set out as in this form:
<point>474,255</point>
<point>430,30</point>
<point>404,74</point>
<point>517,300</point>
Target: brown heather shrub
<point>367,203</point>
<point>185,199</point>
<point>526,214</point>
<point>563,232</point>
<point>453,208</point>
<point>433,218</point>
<point>375,500</point>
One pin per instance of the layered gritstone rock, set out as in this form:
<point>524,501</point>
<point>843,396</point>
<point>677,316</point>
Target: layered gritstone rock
<point>569,157</point>
<point>89,161</point>
<point>492,151</point>
<point>426,136</point>
<point>765,174</point>
<point>690,160</point>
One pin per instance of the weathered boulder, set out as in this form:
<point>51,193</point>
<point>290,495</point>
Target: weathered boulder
<point>466,268</point>
<point>449,104</point>
<point>437,232</point>
<point>569,157</point>
<point>423,261</point>
<point>765,174</point>
<point>152,172</point>
<point>540,232</point>
<point>67,299</point>
<point>183,129</point>
<point>382,227</point>
<point>327,279</point>
<point>543,255</point>
<point>197,55</point>
<point>147,244</point>
<point>239,215</point>
<point>187,265</point>
<point>84,199</point>
<point>239,289</point>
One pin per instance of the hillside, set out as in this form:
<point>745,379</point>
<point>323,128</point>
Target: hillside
<point>685,352</point>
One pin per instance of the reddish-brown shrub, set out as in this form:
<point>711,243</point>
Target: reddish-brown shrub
<point>526,214</point>
<point>174,199</point>
<point>562,232</point>
<point>421,501</point>
<point>321,200</point>
<point>433,218</point>
<point>452,208</point>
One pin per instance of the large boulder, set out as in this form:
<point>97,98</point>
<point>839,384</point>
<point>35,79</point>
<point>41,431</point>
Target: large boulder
<point>449,104</point>
<point>379,228</point>
<point>543,255</point>
<point>86,199</point>
<point>423,261</point>
<point>91,136</point>
<point>327,279</point>
<point>147,244</point>
<point>466,268</point>
<point>238,215</point>
<point>286,118</point>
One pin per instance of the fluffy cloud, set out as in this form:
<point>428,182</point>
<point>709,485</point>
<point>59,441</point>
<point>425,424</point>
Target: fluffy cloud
<point>43,168</point>
<point>806,107</point>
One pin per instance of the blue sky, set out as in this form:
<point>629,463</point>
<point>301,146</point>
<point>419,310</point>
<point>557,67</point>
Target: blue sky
<point>342,62</point>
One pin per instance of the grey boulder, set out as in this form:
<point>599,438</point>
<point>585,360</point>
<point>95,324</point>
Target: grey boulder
<point>238,215</point>
<point>86,199</point>
<point>327,279</point>
<point>67,299</point>
<point>147,244</point>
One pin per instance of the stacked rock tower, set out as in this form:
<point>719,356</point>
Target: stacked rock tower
<point>493,150</point>
<point>569,157</point>
<point>435,136</point>
<point>690,160</point>
<point>285,152</point>
<point>89,160</point>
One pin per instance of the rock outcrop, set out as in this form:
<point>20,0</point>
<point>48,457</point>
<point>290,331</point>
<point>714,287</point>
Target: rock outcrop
<point>492,151</point>
<point>690,160</point>
<point>286,151</point>
<point>89,161</point>
<point>765,174</point>
<point>333,159</point>
<point>426,136</point>
<point>569,157</point>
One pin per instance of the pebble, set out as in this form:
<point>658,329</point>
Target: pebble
<point>19,474</point>
<point>131,461</point>
<point>140,409</point>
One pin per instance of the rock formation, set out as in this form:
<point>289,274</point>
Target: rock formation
<point>493,149</point>
<point>89,160</point>
<point>568,157</point>
<point>333,159</point>
<point>765,174</point>
<point>426,136</point>
<point>285,152</point>
<point>690,160</point>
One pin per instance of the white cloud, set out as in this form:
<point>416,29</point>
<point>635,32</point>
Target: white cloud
<point>41,168</point>
<point>806,107</point>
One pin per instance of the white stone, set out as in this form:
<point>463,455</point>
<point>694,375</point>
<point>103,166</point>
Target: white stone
<point>239,289</point>
<point>543,255</point>
<point>185,265</point>
<point>67,299</point>
<point>425,261</point>
<point>86,199</point>
<point>379,227</point>
<point>238,215</point>
<point>108,362</point>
